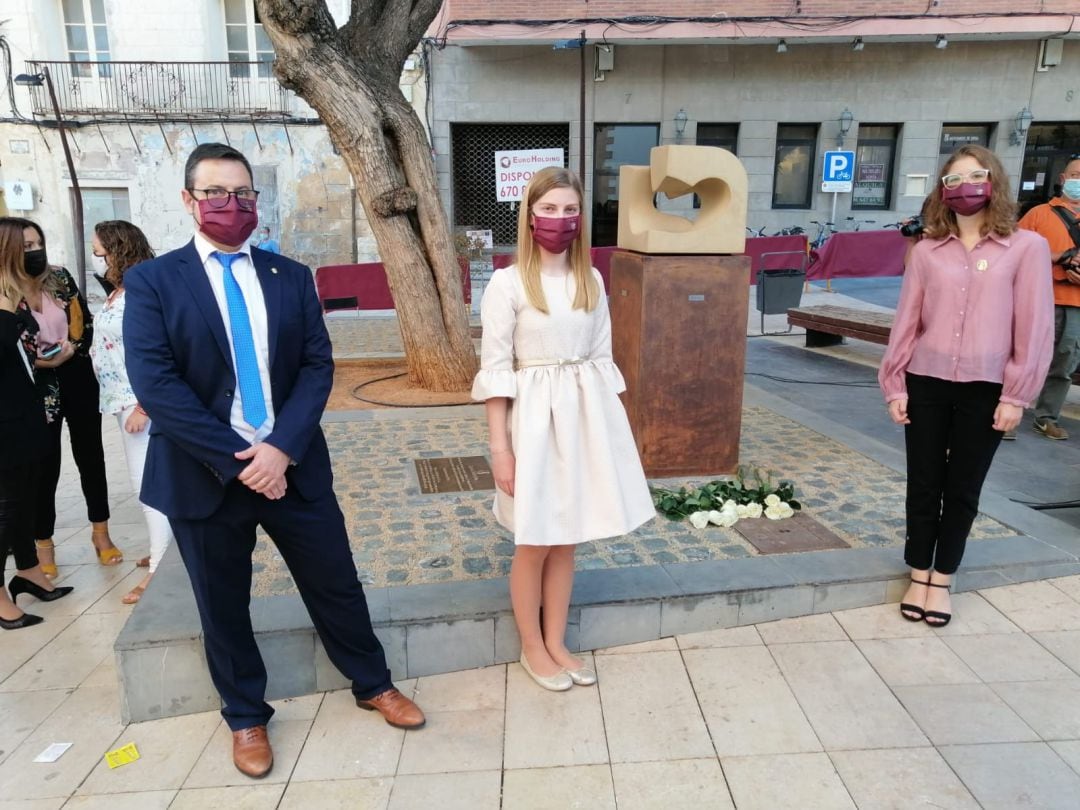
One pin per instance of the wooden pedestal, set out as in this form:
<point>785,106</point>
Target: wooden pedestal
<point>679,338</point>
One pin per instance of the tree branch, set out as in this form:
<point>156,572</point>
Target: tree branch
<point>299,17</point>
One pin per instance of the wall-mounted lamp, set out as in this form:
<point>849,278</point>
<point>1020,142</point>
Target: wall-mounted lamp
<point>680,124</point>
<point>45,79</point>
<point>1020,126</point>
<point>941,42</point>
<point>845,120</point>
<point>858,44</point>
<point>781,47</point>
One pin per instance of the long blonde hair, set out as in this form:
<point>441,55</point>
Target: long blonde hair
<point>587,290</point>
<point>12,266</point>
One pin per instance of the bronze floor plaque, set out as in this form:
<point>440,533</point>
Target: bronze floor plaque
<point>454,474</point>
<point>799,533</point>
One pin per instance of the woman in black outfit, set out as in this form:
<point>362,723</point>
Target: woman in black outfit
<point>69,388</point>
<point>24,435</point>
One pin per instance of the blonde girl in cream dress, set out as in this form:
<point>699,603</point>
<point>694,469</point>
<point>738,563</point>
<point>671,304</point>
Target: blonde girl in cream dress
<point>565,464</point>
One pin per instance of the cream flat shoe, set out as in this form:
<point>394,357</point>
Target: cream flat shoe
<point>582,677</point>
<point>559,682</point>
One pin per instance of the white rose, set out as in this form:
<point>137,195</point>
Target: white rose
<point>785,510</point>
<point>773,512</point>
<point>725,517</point>
<point>753,510</point>
<point>772,500</point>
<point>729,504</point>
<point>743,510</point>
<point>699,520</point>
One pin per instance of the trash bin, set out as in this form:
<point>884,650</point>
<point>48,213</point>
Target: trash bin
<point>780,289</point>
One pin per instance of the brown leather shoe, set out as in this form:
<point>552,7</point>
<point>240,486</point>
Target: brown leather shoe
<point>251,752</point>
<point>398,710</point>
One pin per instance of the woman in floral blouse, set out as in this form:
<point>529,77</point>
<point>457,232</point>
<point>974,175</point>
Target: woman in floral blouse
<point>57,315</point>
<point>119,245</point>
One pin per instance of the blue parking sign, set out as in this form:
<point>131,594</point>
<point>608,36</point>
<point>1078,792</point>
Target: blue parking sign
<point>839,167</point>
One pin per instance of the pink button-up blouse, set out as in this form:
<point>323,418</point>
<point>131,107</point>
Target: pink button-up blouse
<point>985,315</point>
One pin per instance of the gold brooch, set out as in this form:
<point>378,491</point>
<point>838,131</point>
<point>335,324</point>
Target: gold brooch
<point>981,265</point>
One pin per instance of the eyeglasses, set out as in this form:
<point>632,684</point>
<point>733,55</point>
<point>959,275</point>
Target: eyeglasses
<point>219,197</point>
<point>978,177</point>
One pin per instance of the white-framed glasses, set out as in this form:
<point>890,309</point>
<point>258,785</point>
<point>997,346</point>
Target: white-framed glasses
<point>976,176</point>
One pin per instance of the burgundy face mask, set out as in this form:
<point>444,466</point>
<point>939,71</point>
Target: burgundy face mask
<point>229,226</point>
<point>967,198</point>
<point>556,234</point>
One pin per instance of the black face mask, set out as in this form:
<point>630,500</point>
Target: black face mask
<point>35,262</point>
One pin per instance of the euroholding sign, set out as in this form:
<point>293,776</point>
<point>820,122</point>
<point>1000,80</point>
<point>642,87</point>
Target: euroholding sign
<point>513,170</point>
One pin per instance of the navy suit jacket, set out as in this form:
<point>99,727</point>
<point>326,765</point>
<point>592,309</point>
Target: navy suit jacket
<point>181,369</point>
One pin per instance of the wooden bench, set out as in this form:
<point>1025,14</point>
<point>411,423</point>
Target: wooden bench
<point>828,325</point>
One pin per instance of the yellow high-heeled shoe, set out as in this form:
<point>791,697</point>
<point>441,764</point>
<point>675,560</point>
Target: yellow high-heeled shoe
<point>106,556</point>
<point>48,569</point>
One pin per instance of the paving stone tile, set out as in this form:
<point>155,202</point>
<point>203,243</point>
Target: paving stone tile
<point>342,794</point>
<point>878,621</point>
<point>748,706</point>
<point>915,661</point>
<point>442,646</point>
<point>88,720</point>
<point>167,751</point>
<point>650,710</point>
<point>960,714</point>
<point>693,614</point>
<point>215,768</point>
<point>1068,585</point>
<point>804,628</point>
<point>580,786</point>
<point>247,797</point>
<point>659,645</point>
<point>549,729</point>
<point>1011,657</point>
<point>1068,750</point>
<point>973,615</point>
<point>747,636</point>
<point>454,741</point>
<point>478,790</point>
<point>696,783</point>
<point>846,595</point>
<point>888,779</point>
<point>847,704</point>
<point>158,681</point>
<point>610,625</point>
<point>463,691</point>
<point>806,781</point>
<point>1051,708</point>
<point>142,800</point>
<point>1004,777</point>
<point>1036,606</point>
<point>1065,644</point>
<point>22,712</point>
<point>345,742</point>
<point>32,804</point>
<point>70,657</point>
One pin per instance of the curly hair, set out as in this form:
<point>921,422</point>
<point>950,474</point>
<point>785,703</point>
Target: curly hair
<point>125,246</point>
<point>938,219</point>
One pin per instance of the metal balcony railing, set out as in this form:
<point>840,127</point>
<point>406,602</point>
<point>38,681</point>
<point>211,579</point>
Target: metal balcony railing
<point>166,91</point>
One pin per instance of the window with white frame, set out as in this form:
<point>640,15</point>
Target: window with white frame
<point>86,35</point>
<point>246,40</point>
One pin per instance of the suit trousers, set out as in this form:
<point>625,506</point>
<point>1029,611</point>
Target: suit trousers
<point>951,442</point>
<point>312,539</point>
<point>17,502</point>
<point>79,394</point>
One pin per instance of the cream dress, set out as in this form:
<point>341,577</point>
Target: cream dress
<point>578,476</point>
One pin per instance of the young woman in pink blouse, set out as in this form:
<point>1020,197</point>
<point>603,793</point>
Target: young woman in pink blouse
<point>969,348</point>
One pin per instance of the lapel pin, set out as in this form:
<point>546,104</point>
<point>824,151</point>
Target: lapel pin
<point>273,270</point>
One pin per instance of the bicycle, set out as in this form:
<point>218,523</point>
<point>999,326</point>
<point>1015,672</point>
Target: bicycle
<point>825,230</point>
<point>794,230</point>
<point>859,222</point>
<point>752,233</point>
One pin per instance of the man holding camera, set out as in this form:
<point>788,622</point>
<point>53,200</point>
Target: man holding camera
<point>1059,222</point>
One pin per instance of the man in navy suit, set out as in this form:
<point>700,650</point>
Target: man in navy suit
<point>228,353</point>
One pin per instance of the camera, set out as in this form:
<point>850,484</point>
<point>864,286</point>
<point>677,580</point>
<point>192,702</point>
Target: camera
<point>913,227</point>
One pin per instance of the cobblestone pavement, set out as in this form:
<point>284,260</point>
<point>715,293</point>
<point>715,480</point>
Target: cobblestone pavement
<point>400,536</point>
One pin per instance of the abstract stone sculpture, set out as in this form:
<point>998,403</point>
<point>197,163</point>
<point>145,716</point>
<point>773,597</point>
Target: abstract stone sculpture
<point>714,174</point>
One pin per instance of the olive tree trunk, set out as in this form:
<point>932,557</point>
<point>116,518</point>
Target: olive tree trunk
<point>350,77</point>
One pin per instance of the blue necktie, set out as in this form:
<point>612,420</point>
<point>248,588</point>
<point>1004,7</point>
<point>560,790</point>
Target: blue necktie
<point>247,365</point>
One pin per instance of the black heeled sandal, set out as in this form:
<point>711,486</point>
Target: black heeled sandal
<point>940,619</point>
<point>919,611</point>
<point>19,585</point>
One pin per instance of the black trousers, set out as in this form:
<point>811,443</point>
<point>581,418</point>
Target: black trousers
<point>951,442</point>
<point>311,536</point>
<point>17,500</point>
<point>79,395</point>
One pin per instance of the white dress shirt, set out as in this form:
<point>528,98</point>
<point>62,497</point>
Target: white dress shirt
<point>244,271</point>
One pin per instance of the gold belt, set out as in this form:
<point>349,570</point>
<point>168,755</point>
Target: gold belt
<point>569,361</point>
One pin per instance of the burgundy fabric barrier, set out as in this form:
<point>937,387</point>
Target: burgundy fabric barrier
<point>860,254</point>
<point>368,283</point>
<point>758,245</point>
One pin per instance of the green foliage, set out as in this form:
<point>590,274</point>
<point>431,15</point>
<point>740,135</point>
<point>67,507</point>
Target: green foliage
<point>745,488</point>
